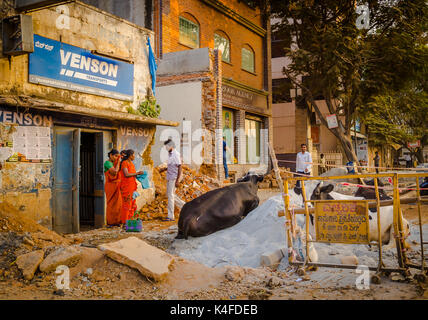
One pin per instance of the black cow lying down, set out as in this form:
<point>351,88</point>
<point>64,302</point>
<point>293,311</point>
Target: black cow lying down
<point>218,209</point>
<point>370,193</point>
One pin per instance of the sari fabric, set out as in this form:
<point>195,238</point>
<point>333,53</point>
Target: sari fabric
<point>127,188</point>
<point>114,197</point>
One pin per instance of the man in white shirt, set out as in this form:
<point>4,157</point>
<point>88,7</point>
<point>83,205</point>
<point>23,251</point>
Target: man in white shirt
<point>173,176</point>
<point>303,163</point>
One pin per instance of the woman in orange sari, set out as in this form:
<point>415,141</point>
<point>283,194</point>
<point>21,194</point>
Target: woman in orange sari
<point>128,185</point>
<point>111,187</point>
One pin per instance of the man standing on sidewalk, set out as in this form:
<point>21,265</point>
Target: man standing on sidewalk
<point>376,160</point>
<point>173,176</point>
<point>303,163</point>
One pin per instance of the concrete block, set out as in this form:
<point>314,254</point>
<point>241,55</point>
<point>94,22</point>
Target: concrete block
<point>29,262</point>
<point>135,253</point>
<point>63,256</point>
<point>274,258</point>
<point>349,260</point>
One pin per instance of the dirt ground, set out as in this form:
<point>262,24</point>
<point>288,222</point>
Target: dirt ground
<point>98,277</point>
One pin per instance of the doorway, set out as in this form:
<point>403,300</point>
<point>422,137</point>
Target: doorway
<point>79,201</point>
<point>91,177</point>
<point>87,180</point>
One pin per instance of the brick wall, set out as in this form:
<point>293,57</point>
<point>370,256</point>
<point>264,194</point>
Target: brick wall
<point>211,20</point>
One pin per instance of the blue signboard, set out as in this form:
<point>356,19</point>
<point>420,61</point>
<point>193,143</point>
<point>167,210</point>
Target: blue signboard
<point>61,65</point>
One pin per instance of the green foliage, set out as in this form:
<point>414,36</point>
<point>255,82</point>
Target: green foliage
<point>357,71</point>
<point>398,117</point>
<point>148,108</point>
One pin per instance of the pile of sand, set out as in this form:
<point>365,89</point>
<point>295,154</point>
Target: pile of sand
<point>12,219</point>
<point>260,232</point>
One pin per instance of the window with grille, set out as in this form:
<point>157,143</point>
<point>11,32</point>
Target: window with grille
<point>223,44</point>
<point>189,33</point>
<point>247,60</point>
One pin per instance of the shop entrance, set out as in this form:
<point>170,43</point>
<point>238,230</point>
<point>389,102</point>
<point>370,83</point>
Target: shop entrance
<point>78,199</point>
<point>91,194</point>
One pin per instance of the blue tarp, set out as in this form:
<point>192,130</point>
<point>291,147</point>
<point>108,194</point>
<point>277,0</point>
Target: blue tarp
<point>152,64</point>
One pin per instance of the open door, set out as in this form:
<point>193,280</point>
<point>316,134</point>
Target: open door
<point>66,180</point>
<point>76,180</point>
<point>99,200</point>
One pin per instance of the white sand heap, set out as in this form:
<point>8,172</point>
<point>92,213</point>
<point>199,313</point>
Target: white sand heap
<point>260,232</point>
<point>263,232</point>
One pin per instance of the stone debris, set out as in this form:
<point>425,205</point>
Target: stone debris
<point>12,220</point>
<point>28,241</point>
<point>269,180</point>
<point>349,260</point>
<point>395,276</point>
<point>62,256</point>
<point>274,282</point>
<point>29,262</point>
<point>234,273</point>
<point>192,185</point>
<point>136,253</point>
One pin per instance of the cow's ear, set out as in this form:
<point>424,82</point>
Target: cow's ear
<point>298,191</point>
<point>327,189</point>
<point>370,217</point>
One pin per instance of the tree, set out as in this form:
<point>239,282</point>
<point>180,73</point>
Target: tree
<point>347,65</point>
<point>399,117</point>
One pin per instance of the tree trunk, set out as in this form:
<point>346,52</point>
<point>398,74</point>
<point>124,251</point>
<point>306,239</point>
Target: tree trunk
<point>346,145</point>
<point>419,154</point>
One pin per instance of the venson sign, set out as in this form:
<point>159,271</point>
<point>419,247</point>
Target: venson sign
<point>61,65</point>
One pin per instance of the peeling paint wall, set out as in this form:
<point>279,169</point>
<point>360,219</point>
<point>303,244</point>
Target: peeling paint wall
<point>26,186</point>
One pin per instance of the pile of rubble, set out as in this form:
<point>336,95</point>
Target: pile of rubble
<point>12,220</point>
<point>269,180</point>
<point>192,185</point>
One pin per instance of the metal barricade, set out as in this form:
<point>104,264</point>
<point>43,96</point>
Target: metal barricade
<point>399,232</point>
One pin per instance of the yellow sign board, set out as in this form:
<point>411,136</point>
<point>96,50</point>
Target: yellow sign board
<point>342,221</point>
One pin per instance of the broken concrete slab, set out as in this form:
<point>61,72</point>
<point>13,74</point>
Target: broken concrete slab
<point>29,262</point>
<point>274,258</point>
<point>136,253</point>
<point>62,256</point>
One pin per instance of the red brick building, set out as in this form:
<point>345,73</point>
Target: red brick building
<point>238,75</point>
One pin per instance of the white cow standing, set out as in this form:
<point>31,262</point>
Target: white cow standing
<point>316,190</point>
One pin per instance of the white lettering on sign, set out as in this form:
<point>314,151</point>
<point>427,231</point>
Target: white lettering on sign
<point>77,61</point>
<point>25,119</point>
<point>42,45</point>
<point>135,132</point>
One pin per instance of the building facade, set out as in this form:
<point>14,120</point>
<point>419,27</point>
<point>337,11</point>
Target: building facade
<point>217,54</point>
<point>64,105</point>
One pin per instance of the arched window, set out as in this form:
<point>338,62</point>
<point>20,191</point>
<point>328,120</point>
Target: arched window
<point>189,31</point>
<point>247,54</point>
<point>222,42</point>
